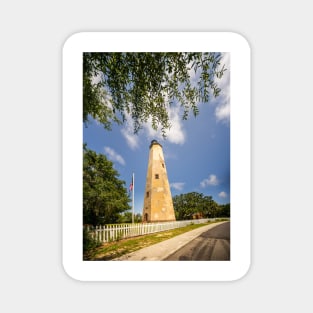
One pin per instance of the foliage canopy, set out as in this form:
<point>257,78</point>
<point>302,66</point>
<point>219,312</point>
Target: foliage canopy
<point>194,203</point>
<point>104,195</point>
<point>144,86</point>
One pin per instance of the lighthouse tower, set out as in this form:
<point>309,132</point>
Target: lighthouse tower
<point>158,204</point>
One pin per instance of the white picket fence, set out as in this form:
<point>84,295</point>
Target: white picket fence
<point>113,232</point>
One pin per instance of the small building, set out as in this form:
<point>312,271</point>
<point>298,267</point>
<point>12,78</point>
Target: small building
<point>196,216</point>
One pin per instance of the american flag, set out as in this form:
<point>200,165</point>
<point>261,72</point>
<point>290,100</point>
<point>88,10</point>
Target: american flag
<point>131,186</point>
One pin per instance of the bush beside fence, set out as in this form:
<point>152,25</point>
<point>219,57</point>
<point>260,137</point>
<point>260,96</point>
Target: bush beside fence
<point>113,232</point>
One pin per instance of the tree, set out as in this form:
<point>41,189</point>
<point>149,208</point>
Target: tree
<point>145,85</point>
<point>126,217</point>
<point>186,205</point>
<point>224,210</point>
<point>182,207</point>
<point>104,195</point>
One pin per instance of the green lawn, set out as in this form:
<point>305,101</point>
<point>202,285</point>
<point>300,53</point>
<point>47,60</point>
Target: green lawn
<point>111,250</point>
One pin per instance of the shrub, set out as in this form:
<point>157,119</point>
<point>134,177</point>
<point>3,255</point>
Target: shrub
<point>89,243</point>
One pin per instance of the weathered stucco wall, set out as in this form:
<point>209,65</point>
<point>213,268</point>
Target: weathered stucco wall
<point>158,204</point>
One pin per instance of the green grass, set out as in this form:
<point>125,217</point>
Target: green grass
<point>111,250</point>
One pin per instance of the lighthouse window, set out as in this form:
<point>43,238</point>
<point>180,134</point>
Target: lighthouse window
<point>163,165</point>
<point>147,194</point>
<point>156,176</point>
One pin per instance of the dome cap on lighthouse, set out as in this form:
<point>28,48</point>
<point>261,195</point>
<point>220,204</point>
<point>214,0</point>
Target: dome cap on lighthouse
<point>154,142</point>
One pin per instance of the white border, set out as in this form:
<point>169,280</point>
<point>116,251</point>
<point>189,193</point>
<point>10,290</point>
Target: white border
<point>73,264</point>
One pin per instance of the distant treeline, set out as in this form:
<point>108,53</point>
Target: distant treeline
<point>196,205</point>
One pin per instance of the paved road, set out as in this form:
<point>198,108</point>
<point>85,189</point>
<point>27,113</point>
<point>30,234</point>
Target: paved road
<point>211,245</point>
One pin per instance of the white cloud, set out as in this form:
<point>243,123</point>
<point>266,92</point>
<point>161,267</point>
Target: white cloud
<point>211,181</point>
<point>127,131</point>
<point>222,110</point>
<point>194,76</point>
<point>113,156</point>
<point>175,134</point>
<point>150,132</point>
<point>222,194</point>
<point>177,186</point>
<point>131,139</point>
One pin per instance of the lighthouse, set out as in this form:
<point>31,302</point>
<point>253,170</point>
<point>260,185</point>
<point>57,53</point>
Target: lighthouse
<point>158,204</point>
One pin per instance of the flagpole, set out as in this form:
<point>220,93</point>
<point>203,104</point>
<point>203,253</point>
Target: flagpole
<point>133,197</point>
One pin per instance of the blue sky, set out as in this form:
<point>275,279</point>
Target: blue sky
<point>196,151</point>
